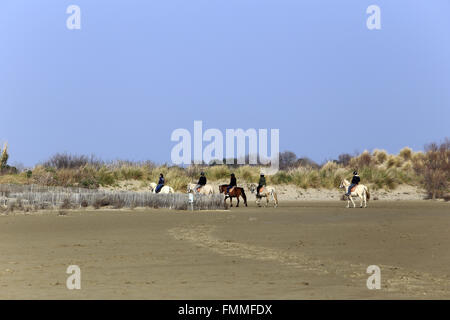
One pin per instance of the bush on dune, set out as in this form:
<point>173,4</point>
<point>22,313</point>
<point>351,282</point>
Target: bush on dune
<point>433,168</point>
<point>406,153</point>
<point>70,161</point>
<point>363,160</point>
<point>131,173</point>
<point>378,170</point>
<point>281,177</point>
<point>106,177</point>
<point>219,172</point>
<point>248,173</point>
<point>380,156</point>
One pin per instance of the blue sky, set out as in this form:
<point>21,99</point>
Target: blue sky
<point>137,70</point>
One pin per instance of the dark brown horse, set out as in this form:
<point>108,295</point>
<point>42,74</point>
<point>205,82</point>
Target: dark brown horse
<point>236,192</point>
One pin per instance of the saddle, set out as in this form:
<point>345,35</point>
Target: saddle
<point>353,189</point>
<point>261,189</point>
<point>231,189</point>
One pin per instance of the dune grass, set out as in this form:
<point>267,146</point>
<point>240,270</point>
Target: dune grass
<point>377,169</point>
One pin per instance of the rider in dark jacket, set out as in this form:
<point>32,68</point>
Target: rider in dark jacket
<point>261,183</point>
<point>160,183</point>
<point>233,183</point>
<point>201,182</point>
<point>355,181</point>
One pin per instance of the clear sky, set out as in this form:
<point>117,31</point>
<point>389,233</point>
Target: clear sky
<point>137,70</point>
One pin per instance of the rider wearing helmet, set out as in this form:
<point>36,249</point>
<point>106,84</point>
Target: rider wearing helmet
<point>233,183</point>
<point>201,182</point>
<point>355,181</point>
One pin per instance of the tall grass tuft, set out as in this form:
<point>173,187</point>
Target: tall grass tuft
<point>406,153</point>
<point>380,156</point>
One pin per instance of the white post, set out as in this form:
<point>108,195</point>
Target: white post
<point>191,201</point>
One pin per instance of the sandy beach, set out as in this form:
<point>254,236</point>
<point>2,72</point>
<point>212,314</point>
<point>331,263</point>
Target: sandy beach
<point>300,250</point>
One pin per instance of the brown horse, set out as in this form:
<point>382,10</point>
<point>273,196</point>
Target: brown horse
<point>235,192</point>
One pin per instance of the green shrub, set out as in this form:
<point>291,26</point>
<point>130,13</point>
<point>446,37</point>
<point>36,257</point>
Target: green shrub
<point>218,172</point>
<point>281,177</point>
<point>105,177</point>
<point>130,173</point>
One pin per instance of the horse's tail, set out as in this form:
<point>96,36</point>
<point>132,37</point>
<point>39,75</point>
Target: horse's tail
<point>244,196</point>
<point>367,192</point>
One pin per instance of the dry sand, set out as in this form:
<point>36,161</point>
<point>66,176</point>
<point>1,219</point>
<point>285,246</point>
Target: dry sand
<point>301,250</point>
<point>402,192</point>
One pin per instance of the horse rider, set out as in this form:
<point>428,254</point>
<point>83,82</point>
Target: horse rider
<point>232,184</point>
<point>355,181</point>
<point>261,184</point>
<point>201,182</point>
<point>160,183</point>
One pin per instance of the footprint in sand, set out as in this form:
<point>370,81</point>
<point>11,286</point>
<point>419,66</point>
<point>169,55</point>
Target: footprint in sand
<point>396,279</point>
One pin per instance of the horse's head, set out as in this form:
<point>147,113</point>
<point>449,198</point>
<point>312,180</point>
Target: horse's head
<point>252,187</point>
<point>344,184</point>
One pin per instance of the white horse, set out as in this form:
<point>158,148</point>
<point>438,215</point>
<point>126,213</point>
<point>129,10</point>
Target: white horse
<point>206,189</point>
<point>267,192</point>
<point>359,190</point>
<point>164,190</point>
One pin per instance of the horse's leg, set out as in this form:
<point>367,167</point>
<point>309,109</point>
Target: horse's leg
<point>225,200</point>
<point>348,201</point>
<point>361,200</point>
<point>275,199</point>
<point>365,199</point>
<point>353,202</point>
